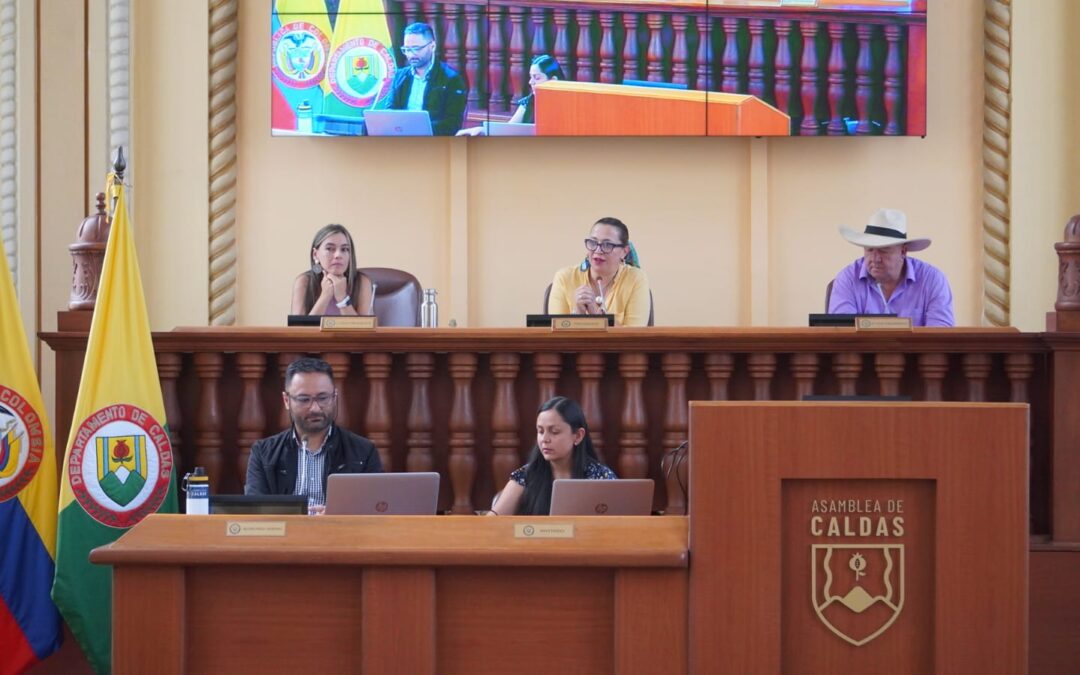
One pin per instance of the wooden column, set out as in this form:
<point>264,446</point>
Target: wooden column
<point>808,82</point>
<point>846,367</point>
<point>655,64</point>
<point>504,418</point>
<point>804,367</point>
<point>762,367</point>
<point>718,368</point>
<point>519,67</point>
<point>890,368</point>
<point>475,39</point>
<point>630,47</point>
<point>676,367</point>
<point>169,366</point>
<point>586,70</point>
<point>209,367</point>
<point>339,364</point>
<point>462,460</point>
<point>679,52</point>
<point>976,370</point>
<point>283,360</point>
<point>756,60</point>
<point>251,423</point>
<point>729,80</point>
<point>704,59</point>
<point>837,75</point>
<point>893,80</point>
<point>607,47</point>
<point>633,461</point>
<point>420,367</point>
<point>451,43</point>
<point>863,78</point>
<point>377,421</point>
<point>932,368</point>
<point>496,61</point>
<point>563,54</point>
<point>783,65</point>
<point>590,368</point>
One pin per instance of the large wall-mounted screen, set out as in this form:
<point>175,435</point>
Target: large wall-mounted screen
<point>598,68</point>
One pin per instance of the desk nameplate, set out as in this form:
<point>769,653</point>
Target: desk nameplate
<point>871,323</point>
<point>543,530</point>
<point>580,323</point>
<point>258,528</point>
<point>348,323</point>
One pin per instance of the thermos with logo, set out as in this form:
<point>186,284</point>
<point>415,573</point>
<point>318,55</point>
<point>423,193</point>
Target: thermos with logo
<point>429,309</point>
<point>197,487</point>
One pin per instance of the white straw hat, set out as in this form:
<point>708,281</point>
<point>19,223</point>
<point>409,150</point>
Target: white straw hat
<point>887,227</point>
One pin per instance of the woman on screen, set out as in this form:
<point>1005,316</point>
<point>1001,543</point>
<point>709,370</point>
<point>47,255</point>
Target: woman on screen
<point>563,450</point>
<point>608,281</point>
<point>542,69</point>
<point>332,286</point>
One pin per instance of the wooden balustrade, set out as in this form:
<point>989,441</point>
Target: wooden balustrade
<point>462,401</point>
<point>834,71</point>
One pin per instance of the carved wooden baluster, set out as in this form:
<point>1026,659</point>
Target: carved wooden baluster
<point>756,65</point>
<point>783,64</point>
<point>413,11</point>
<point>890,368</point>
<point>504,417</point>
<point>655,64</point>
<point>496,61</point>
<point>169,366</point>
<point>339,363</point>
<point>846,368</point>
<point>676,369</point>
<point>863,78</point>
<point>283,361</point>
<point>590,368</point>
<point>451,44</point>
<point>538,45</point>
<point>377,420</point>
<point>679,52</point>
<point>893,81</point>
<point>976,370</point>
<point>251,423</point>
<point>704,53</point>
<point>563,54</point>
<point>837,75</point>
<point>932,368</point>
<point>762,367</point>
<point>808,82</point>
<point>474,39</point>
<point>729,78</point>
<point>633,462</point>
<point>462,461</point>
<point>209,367</point>
<point>420,368</point>
<point>1019,368</point>
<point>630,46</point>
<point>519,65</point>
<point>718,368</point>
<point>548,367</point>
<point>586,71</point>
<point>804,367</point>
<point>607,47</point>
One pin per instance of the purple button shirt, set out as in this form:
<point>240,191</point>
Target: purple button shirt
<point>923,294</point>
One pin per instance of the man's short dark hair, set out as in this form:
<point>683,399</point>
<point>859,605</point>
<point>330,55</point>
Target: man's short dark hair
<point>420,28</point>
<point>307,364</point>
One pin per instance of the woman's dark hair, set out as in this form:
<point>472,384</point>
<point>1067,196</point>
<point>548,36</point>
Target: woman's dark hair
<point>538,477</point>
<point>549,67</point>
<point>315,274</point>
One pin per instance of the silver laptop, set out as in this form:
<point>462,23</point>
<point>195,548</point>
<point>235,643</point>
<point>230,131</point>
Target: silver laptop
<point>508,129</point>
<point>584,497</point>
<point>397,123</point>
<point>382,494</point>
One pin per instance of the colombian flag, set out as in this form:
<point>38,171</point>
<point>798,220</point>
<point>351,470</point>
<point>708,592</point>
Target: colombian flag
<point>29,623</point>
<point>119,465</point>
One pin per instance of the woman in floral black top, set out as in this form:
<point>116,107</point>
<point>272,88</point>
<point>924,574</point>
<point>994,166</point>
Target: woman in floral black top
<point>563,450</point>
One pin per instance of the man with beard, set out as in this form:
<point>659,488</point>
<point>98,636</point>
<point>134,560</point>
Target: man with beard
<point>428,84</point>
<point>298,460</point>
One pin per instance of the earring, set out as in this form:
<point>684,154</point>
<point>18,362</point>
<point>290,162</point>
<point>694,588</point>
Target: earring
<point>316,267</point>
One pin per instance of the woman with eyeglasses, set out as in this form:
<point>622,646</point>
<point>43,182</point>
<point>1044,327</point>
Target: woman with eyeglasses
<point>332,286</point>
<point>563,450</point>
<point>608,281</point>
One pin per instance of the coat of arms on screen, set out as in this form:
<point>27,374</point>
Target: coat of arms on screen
<point>22,442</point>
<point>300,50</point>
<point>120,465</point>
<point>858,589</point>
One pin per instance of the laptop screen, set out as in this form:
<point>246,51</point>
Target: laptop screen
<point>584,497</point>
<point>382,494</point>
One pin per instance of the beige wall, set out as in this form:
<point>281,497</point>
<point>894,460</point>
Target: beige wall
<point>732,231</point>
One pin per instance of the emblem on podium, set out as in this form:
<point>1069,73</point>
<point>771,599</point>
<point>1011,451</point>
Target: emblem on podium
<point>858,589</point>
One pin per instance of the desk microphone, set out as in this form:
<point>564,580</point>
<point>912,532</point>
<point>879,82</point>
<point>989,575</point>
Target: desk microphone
<point>600,295</point>
<point>374,287</point>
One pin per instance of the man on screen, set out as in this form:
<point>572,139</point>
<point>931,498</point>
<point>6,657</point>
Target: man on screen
<point>298,460</point>
<point>886,281</point>
<point>428,84</point>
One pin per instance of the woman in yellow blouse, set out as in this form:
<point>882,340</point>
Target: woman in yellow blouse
<point>608,281</point>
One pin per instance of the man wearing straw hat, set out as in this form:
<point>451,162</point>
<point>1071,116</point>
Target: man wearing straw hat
<point>886,281</point>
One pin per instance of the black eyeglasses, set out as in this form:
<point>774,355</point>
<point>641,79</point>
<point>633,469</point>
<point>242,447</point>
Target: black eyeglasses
<point>415,50</point>
<point>322,400</point>
<point>604,246</point>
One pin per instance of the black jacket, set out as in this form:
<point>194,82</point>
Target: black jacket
<point>272,465</point>
<point>444,99</point>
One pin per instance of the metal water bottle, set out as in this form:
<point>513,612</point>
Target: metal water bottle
<point>429,309</point>
<point>303,117</point>
<point>197,487</point>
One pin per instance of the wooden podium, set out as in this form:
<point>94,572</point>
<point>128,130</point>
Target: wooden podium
<point>399,594</point>
<point>591,109</point>
<point>858,538</point>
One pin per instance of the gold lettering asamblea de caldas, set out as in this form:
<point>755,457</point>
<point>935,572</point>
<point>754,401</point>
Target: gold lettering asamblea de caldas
<point>857,518</point>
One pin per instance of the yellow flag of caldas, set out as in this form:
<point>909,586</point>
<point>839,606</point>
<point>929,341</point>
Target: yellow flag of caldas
<point>361,67</point>
<point>118,467</point>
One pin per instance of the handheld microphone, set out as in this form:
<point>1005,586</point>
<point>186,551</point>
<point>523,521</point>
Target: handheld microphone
<point>600,295</point>
<point>374,287</point>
